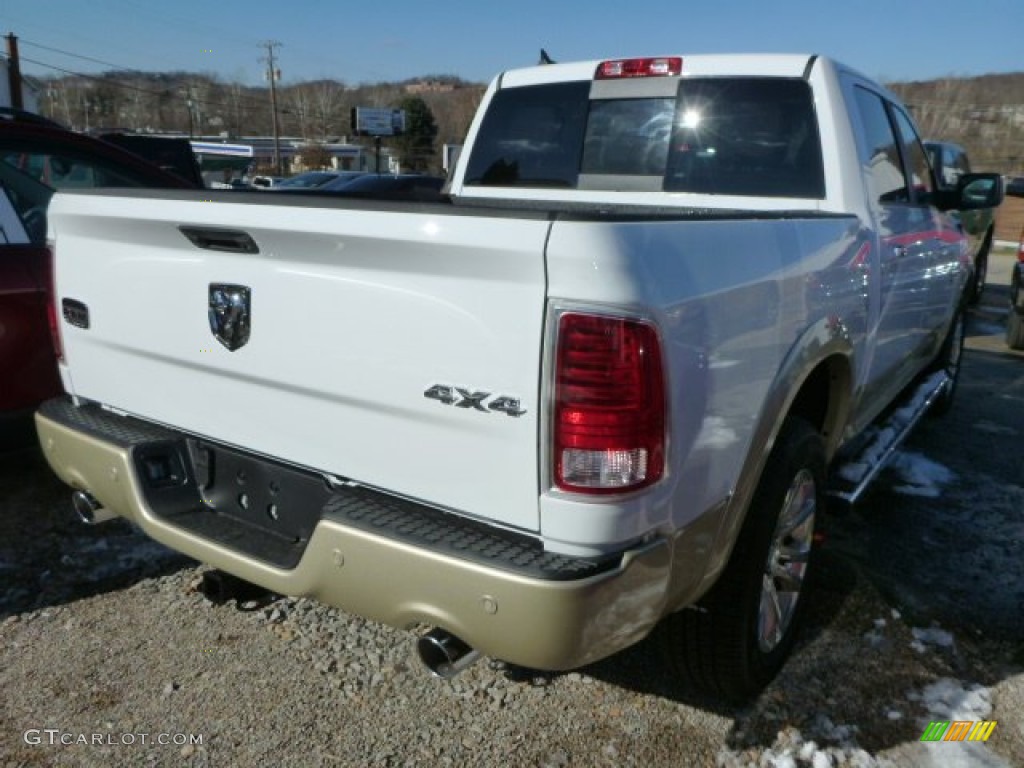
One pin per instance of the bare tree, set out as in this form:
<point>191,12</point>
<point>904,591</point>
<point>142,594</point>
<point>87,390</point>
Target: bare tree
<point>327,100</point>
<point>315,157</point>
<point>299,101</point>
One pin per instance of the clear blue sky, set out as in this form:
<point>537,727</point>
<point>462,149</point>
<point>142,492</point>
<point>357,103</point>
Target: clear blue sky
<point>366,41</point>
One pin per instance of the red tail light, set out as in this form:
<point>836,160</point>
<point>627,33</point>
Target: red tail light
<point>623,68</point>
<point>52,316</point>
<point>1020,248</point>
<point>609,420</point>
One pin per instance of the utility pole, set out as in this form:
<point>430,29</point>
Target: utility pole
<point>14,72</point>
<point>274,74</point>
<point>194,115</point>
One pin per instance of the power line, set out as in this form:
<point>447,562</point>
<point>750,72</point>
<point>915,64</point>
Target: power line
<point>96,78</point>
<point>77,56</point>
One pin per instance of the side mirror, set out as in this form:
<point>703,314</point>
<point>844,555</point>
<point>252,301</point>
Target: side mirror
<point>979,190</point>
<point>973,191</point>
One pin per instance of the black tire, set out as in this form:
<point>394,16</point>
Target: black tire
<point>735,640</point>
<point>1015,330</point>
<point>950,360</point>
<point>977,286</point>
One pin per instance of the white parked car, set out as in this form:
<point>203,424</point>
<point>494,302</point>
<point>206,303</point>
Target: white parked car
<point>266,182</point>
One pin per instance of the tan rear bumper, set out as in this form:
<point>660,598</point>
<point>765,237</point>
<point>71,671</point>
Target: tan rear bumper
<point>533,622</point>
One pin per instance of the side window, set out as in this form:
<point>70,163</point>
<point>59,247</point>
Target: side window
<point>922,185</point>
<point>885,171</point>
<point>29,199</point>
<point>531,137</point>
<point>13,228</point>
<point>962,164</point>
<point>70,171</point>
<point>954,165</point>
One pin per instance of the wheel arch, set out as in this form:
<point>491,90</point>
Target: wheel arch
<point>824,399</point>
<point>816,384</point>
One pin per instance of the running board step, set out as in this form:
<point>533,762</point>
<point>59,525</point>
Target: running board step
<point>851,475</point>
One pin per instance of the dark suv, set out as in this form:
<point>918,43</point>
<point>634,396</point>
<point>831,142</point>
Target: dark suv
<point>950,163</point>
<point>37,157</point>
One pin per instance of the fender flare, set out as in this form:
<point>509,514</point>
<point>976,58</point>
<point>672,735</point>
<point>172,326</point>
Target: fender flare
<point>825,348</point>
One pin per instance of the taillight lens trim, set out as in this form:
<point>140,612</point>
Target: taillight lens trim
<point>657,66</point>
<point>609,406</point>
<point>52,315</point>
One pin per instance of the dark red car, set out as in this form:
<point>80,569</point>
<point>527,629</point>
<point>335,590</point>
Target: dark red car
<point>38,157</point>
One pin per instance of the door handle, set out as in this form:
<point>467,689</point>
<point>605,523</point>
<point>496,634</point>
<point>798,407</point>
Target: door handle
<point>214,239</point>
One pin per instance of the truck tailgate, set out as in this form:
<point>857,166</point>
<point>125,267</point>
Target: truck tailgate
<point>356,312</point>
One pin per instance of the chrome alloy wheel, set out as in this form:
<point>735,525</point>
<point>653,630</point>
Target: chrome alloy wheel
<point>787,561</point>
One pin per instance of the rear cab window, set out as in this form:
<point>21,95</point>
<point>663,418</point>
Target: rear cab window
<point>745,136</point>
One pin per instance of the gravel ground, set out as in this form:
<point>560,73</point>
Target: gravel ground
<point>108,645</point>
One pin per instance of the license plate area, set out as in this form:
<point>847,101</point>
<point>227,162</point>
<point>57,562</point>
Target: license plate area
<point>258,492</point>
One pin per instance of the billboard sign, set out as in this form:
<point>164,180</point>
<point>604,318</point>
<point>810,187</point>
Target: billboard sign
<point>372,121</point>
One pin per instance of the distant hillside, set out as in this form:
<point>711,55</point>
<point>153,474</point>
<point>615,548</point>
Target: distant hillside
<point>985,114</point>
<point>202,104</point>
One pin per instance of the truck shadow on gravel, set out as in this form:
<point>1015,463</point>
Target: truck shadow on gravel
<point>48,557</point>
<point>855,681</point>
<point>644,669</point>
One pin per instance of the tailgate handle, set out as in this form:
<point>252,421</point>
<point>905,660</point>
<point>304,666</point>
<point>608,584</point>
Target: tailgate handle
<point>213,239</point>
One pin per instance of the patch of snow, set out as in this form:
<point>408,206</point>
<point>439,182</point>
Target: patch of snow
<point>881,442</point>
<point>919,475</point>
<point>853,471</point>
<point>948,699</point>
<point>875,638</point>
<point>994,429</point>
<point>880,439</point>
<point>933,636</point>
<point>791,750</point>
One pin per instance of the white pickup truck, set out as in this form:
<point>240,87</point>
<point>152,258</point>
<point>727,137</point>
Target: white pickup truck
<point>606,383</point>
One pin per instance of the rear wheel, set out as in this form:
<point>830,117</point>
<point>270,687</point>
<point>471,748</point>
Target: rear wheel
<point>977,286</point>
<point>736,639</point>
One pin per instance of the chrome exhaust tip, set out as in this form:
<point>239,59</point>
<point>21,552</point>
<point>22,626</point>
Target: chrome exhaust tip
<point>89,510</point>
<point>444,655</point>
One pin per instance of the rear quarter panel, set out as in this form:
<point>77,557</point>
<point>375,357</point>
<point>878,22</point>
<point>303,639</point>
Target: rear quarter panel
<point>738,303</point>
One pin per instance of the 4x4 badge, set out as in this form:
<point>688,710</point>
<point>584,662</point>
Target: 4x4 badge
<point>230,311</point>
<point>478,401</point>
